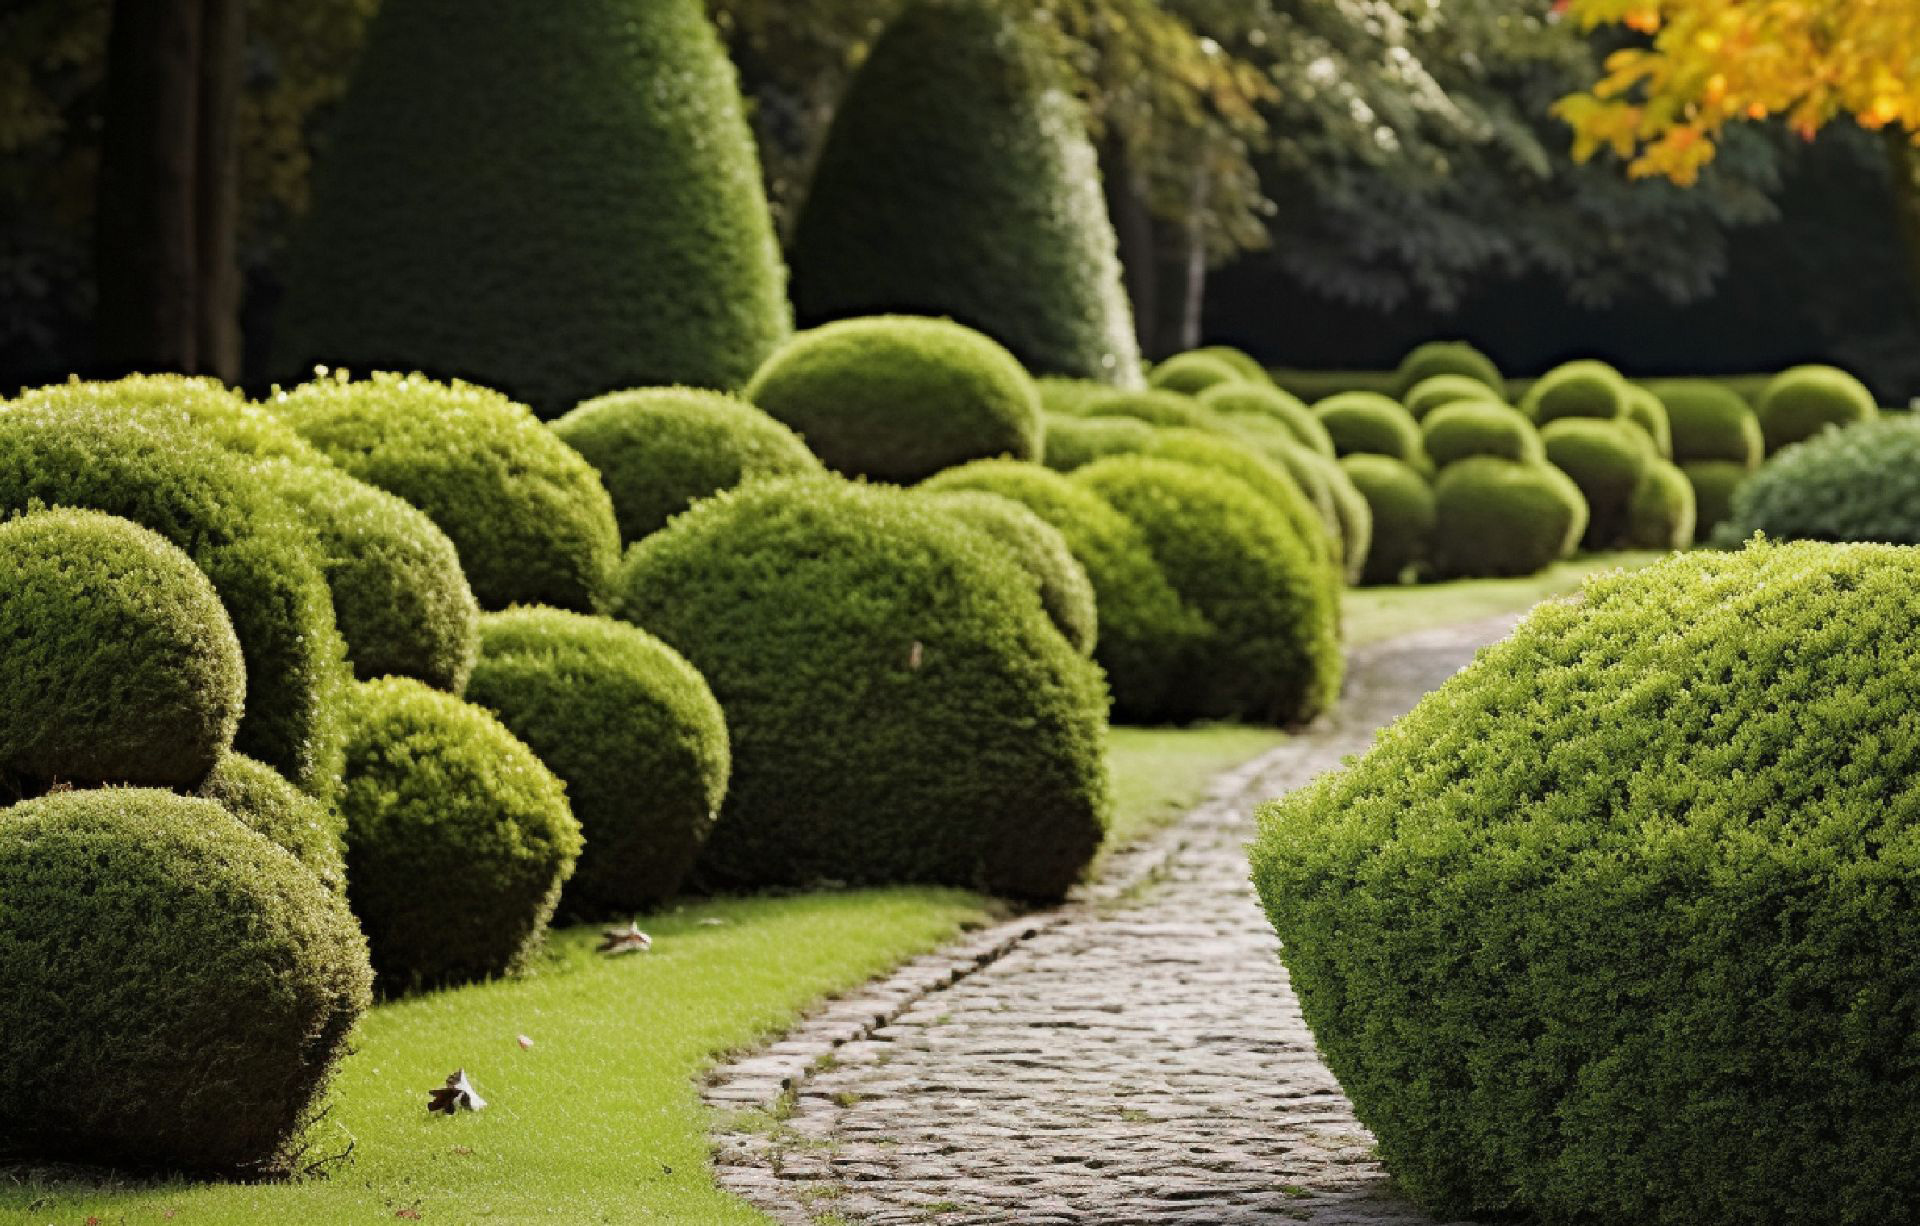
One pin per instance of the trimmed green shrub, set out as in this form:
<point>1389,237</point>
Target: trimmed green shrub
<point>1402,506</point>
<point>1191,374</point>
<point>1267,478</point>
<point>179,990</point>
<point>1804,401</point>
<point>660,450</point>
<point>583,215</point>
<point>1661,514</point>
<point>207,501</point>
<point>1447,358</point>
<point>1245,365</point>
<point>1274,652</point>
<point>1041,552</point>
<point>1236,402</point>
<point>899,399</point>
<point>458,837</point>
<point>267,804</point>
<point>1710,421</point>
<point>1156,408</point>
<point>1074,441</point>
<point>1715,483</point>
<point>1366,423</point>
<point>1606,459</point>
<point>1861,483</point>
<point>1146,629</point>
<point>857,637</point>
<point>1352,517</point>
<point>958,180</point>
<point>1645,410</point>
<point>1064,397</point>
<point>1479,427</point>
<point>629,727</point>
<point>529,517</point>
<point>120,663</point>
<point>200,405</point>
<point>1577,389</point>
<point>1497,518</point>
<point>1442,390</point>
<point>1618,925</point>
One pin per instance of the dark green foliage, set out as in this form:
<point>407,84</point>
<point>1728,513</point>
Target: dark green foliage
<point>1238,401</point>
<point>555,200</point>
<point>1618,926</point>
<point>458,838</point>
<point>1267,478</point>
<point>1402,506</point>
<point>1645,410</point>
<point>119,662</point>
<point>1606,460</point>
<point>1710,421</point>
<point>1157,408</point>
<point>1442,390</point>
<point>1074,441</point>
<point>1146,629</point>
<point>210,503</point>
<point>1577,389</point>
<point>268,805</point>
<point>660,450</point>
<point>1861,483</point>
<point>1352,518</point>
<point>1191,374</point>
<point>1242,363</point>
<point>1066,397</point>
<point>1273,654</point>
<point>531,521</point>
<point>1715,483</point>
<point>1479,427</point>
<point>178,989</point>
<point>902,710</point>
<point>1661,514</point>
<point>1366,423</point>
<point>1804,401</point>
<point>1495,517</point>
<point>201,406</point>
<point>1447,358</point>
<point>629,727</point>
<point>1041,551</point>
<point>898,399</point>
<point>958,180</point>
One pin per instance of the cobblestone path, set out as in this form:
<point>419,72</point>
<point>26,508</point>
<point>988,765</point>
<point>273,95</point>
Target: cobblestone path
<point>1136,1057</point>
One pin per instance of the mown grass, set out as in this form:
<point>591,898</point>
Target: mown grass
<point>1376,613</point>
<point>1160,773</point>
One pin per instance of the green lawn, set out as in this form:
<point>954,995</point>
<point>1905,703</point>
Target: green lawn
<point>1160,773</point>
<point>1376,613</point>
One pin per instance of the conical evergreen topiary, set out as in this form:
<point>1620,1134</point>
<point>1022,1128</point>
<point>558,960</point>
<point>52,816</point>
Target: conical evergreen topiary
<point>556,200</point>
<point>958,180</point>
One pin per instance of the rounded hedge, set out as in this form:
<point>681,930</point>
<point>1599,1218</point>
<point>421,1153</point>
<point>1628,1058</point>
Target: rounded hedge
<point>1273,654</point>
<point>1402,506</point>
<point>1479,427</point>
<point>263,801</point>
<point>1237,402</point>
<point>1804,401</point>
<point>957,180</point>
<point>1041,552</point>
<point>1061,396</point>
<point>1710,421</point>
<point>1662,512</point>
<point>1618,924</point>
<point>1074,441</point>
<point>202,406</point>
<point>179,990</point>
<point>902,710</point>
<point>209,502</point>
<point>1861,483</point>
<point>529,517</point>
<point>458,837</point>
<point>1248,368</point>
<point>1367,423</point>
<point>629,727</point>
<point>660,450</point>
<point>1715,484</point>
<point>1606,459</point>
<point>1146,629</point>
<point>1645,410</point>
<point>119,661</point>
<point>899,399</point>
<point>1353,518</point>
<point>1442,390</point>
<point>1156,407</point>
<point>1267,478</point>
<point>591,219</point>
<point>1497,518</point>
<point>1447,358</point>
<point>1577,389</point>
<point>1190,374</point>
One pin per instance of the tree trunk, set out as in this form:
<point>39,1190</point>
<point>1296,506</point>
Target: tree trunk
<point>1905,158</point>
<point>1182,276</point>
<point>217,190</point>
<point>1133,224</point>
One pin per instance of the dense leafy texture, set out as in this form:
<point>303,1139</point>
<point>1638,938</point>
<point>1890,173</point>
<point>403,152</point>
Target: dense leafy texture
<point>1242,363</point>
<point>1662,512</point>
<point>1447,358</point>
<point>1268,478</point>
<point>1710,421</point>
<point>1330,487</point>
<point>1646,410</point>
<point>554,200</point>
<point>1606,460</point>
<point>529,517</point>
<point>458,838</point>
<point>1438,391</point>
<point>1237,402</point>
<point>901,708</point>
<point>1618,924</point>
<point>1715,485</point>
<point>1463,429</point>
<point>1857,484</point>
<point>1156,407</point>
<point>1074,441</point>
<point>119,662</point>
<point>1577,389</point>
<point>1403,516</point>
<point>898,399</point>
<point>1191,374</point>
<point>660,450</point>
<point>629,727</point>
<point>1804,401</point>
<point>1041,551</point>
<point>1495,517</point>
<point>267,804</point>
<point>202,406</point>
<point>179,989</point>
<point>1367,423</point>
<point>1060,394</point>
<point>958,180</point>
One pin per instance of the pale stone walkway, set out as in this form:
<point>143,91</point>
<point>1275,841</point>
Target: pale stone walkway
<point>1133,1059</point>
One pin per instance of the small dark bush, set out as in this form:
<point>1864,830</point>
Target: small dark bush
<point>458,838</point>
<point>1661,514</point>
<point>1646,411</point>
<point>1074,441</point>
<point>902,710</point>
<point>1804,401</point>
<point>178,989</point>
<point>1402,506</point>
<point>1577,389</point>
<point>268,805</point>
<point>1245,365</point>
<point>1236,402</point>
<point>1190,374</point>
<point>1367,423</point>
<point>1274,652</point>
<point>1606,460</point>
<point>899,399</point>
<point>1861,483</point>
<point>1618,925</point>
<point>1715,483</point>
<point>1447,358</point>
<point>660,450</point>
<point>1041,551</point>
<point>1710,421</point>
<point>1480,427</point>
<point>1442,390</point>
<point>530,519</point>
<point>629,727</point>
<point>1157,408</point>
<point>1495,517</point>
